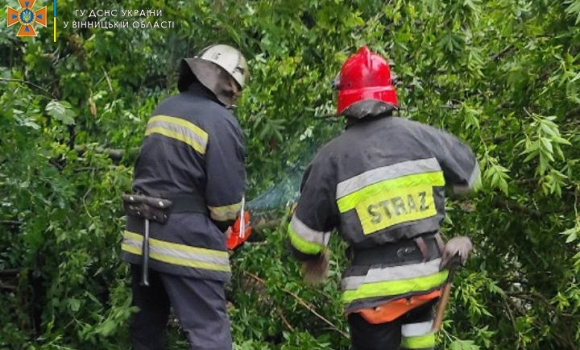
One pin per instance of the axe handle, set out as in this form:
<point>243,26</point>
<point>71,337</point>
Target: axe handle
<point>442,305</point>
<point>145,254</point>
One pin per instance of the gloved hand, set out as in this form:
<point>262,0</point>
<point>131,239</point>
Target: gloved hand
<point>234,234</point>
<point>456,251</point>
<point>315,271</point>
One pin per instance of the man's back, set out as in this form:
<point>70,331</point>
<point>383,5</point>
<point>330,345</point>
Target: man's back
<point>381,183</point>
<point>193,154</point>
<point>188,189</point>
<point>388,175</point>
<point>183,132</point>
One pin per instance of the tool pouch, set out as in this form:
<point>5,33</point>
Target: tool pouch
<point>150,208</point>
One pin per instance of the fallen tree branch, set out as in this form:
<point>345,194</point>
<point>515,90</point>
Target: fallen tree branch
<point>10,222</point>
<point>9,272</point>
<point>285,320</point>
<point>274,223</point>
<point>26,82</point>
<point>261,291</point>
<point>114,154</point>
<point>303,303</point>
<point>7,286</point>
<point>519,208</point>
<point>502,53</point>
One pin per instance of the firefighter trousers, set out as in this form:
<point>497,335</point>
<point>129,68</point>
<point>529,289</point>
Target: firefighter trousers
<point>410,331</point>
<point>200,306</point>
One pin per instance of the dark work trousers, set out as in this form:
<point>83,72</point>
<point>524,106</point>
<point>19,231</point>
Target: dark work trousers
<point>410,331</point>
<point>200,306</point>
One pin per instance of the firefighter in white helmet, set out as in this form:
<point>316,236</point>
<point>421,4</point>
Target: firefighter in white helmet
<point>189,182</point>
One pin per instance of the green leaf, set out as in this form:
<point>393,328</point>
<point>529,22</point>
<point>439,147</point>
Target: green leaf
<point>463,345</point>
<point>61,111</point>
<point>574,8</point>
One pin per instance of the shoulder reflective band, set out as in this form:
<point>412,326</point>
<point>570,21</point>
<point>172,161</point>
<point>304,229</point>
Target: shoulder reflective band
<point>305,239</point>
<point>398,287</point>
<point>178,129</point>
<point>370,177</point>
<point>178,254</point>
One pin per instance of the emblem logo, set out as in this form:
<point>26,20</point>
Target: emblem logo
<point>27,17</point>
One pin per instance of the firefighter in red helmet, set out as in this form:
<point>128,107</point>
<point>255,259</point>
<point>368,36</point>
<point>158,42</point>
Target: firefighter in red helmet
<point>381,184</point>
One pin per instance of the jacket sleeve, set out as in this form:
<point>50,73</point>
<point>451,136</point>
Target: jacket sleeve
<point>457,160</point>
<point>226,175</point>
<point>316,213</point>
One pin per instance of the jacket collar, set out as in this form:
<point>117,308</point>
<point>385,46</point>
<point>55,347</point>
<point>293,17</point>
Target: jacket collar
<point>197,89</point>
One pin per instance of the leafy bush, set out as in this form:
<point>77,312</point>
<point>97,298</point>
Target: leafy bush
<point>503,75</point>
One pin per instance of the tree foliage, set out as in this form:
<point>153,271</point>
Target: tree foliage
<point>502,75</point>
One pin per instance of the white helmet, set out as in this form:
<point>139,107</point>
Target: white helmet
<point>208,67</point>
<point>230,59</point>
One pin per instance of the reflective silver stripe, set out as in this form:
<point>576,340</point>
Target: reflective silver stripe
<point>416,329</point>
<point>373,176</point>
<point>475,174</point>
<point>133,242</point>
<point>394,273</point>
<point>308,234</point>
<point>176,253</point>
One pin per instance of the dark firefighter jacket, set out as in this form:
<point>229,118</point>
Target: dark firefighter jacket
<point>380,181</point>
<point>192,145</point>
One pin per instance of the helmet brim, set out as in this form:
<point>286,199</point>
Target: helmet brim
<point>210,75</point>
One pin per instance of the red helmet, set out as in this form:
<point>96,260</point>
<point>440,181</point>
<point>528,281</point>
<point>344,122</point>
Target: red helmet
<point>365,76</point>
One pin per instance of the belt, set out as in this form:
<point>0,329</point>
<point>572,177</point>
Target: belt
<point>422,248</point>
<point>187,203</point>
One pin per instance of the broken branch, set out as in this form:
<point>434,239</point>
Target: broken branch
<point>303,303</point>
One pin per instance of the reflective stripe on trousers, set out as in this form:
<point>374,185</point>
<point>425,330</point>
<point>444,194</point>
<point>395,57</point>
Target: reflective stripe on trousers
<point>417,336</point>
<point>393,281</point>
<point>178,254</point>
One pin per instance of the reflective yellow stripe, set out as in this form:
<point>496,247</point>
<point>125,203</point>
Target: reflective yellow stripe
<point>350,201</point>
<point>426,341</point>
<point>178,254</point>
<point>181,122</point>
<point>391,288</point>
<point>393,171</point>
<point>182,247</point>
<point>395,207</point>
<point>303,245</point>
<point>391,273</point>
<point>177,136</point>
<point>131,249</point>
<point>226,212</point>
<point>394,201</point>
<point>178,129</point>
